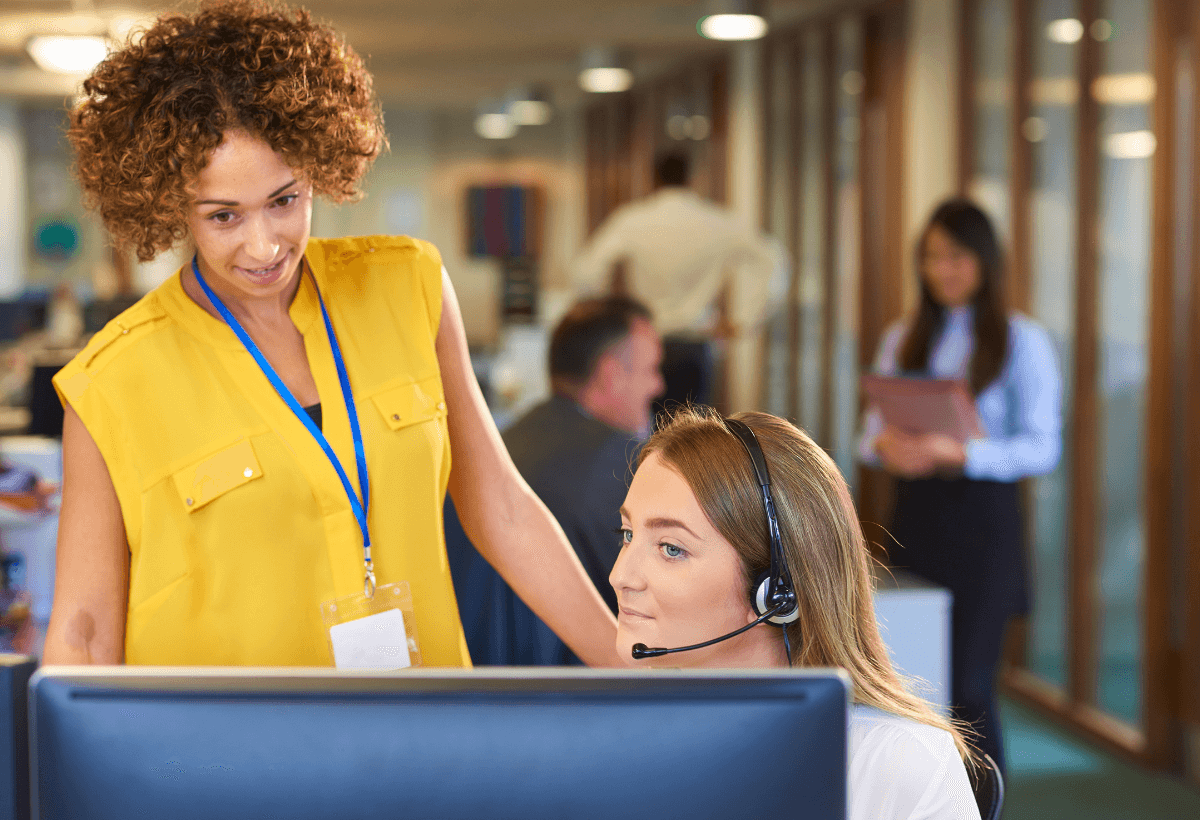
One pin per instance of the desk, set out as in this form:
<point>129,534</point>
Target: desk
<point>34,536</point>
<point>914,620</point>
<point>13,420</point>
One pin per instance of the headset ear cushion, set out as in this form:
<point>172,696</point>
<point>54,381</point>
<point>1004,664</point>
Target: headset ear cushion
<point>760,603</point>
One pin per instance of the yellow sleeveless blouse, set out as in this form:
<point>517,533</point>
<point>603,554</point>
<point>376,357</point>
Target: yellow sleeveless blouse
<point>237,523</point>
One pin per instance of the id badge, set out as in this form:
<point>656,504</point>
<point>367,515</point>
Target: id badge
<point>379,632</point>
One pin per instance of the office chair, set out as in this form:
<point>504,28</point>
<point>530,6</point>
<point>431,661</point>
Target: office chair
<point>988,785</point>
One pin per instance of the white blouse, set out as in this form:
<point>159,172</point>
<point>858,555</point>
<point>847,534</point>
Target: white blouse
<point>904,770</point>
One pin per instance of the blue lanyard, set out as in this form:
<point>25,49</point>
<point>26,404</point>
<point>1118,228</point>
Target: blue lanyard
<point>360,509</point>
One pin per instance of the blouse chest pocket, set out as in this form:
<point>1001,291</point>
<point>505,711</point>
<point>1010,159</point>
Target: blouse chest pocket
<point>412,403</point>
<point>212,476</point>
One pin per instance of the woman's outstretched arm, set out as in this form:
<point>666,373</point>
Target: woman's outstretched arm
<point>506,521</point>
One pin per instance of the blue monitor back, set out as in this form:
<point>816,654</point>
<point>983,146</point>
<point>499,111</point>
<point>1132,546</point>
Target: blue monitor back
<point>122,743</point>
<point>14,735</point>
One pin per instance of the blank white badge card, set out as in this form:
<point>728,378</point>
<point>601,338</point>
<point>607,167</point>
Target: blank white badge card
<point>375,642</point>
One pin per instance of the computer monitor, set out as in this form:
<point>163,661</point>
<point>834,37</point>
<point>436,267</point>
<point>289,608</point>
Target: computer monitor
<point>20,316</point>
<point>14,735</point>
<point>502,743</point>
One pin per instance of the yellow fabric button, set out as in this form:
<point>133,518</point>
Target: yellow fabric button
<point>395,417</point>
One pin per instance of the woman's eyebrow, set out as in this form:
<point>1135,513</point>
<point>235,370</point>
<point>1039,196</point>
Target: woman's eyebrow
<point>671,523</point>
<point>662,523</point>
<point>228,203</point>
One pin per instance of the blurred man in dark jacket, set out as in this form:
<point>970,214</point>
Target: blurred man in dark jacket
<point>575,450</point>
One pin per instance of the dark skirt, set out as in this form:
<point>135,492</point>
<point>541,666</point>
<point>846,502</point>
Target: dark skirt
<point>966,535</point>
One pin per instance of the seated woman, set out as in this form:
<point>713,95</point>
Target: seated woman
<point>698,547</point>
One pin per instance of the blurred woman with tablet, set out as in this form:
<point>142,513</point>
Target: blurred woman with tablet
<point>957,517</point>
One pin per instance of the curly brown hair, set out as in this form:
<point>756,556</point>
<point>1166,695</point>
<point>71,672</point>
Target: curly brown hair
<point>153,112</point>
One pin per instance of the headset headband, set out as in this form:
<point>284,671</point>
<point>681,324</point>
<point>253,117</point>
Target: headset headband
<point>777,588</point>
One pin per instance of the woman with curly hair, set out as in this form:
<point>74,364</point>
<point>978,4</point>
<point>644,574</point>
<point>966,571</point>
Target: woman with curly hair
<point>258,451</point>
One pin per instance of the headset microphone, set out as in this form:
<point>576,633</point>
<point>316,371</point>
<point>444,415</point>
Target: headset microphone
<point>641,651</point>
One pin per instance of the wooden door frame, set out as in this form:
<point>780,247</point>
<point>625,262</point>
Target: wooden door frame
<point>790,42</point>
<point>1189,679</point>
<point>882,241</point>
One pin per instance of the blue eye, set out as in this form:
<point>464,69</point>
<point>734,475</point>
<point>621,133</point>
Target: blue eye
<point>672,550</point>
<point>626,535</point>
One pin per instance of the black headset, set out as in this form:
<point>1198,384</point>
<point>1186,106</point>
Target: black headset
<point>773,596</point>
<point>772,589</point>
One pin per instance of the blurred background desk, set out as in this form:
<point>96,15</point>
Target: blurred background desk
<point>13,420</point>
<point>33,535</point>
<point>914,620</point>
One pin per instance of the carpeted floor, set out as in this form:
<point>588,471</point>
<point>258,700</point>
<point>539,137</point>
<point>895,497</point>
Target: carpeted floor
<point>1056,776</point>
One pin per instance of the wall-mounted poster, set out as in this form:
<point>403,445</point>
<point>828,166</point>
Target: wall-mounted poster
<point>504,221</point>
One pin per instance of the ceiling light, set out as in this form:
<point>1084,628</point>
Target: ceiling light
<point>495,126</point>
<point>604,72</point>
<point>530,106</point>
<point>1035,129</point>
<point>733,20</point>
<point>1131,145</point>
<point>605,80</point>
<point>530,112</point>
<point>1054,91</point>
<point>492,121</point>
<point>129,29</point>
<point>67,54</point>
<point>1125,89</point>
<point>1066,31</point>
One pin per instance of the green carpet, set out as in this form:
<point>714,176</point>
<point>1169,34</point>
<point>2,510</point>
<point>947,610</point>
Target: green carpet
<point>1053,775</point>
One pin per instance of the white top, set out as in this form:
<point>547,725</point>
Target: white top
<point>680,251</point>
<point>904,770</point>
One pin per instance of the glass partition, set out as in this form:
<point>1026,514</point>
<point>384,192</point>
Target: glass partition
<point>1051,131</point>
<point>779,212</point>
<point>847,88</point>
<point>1124,92</point>
<point>993,98</point>
<point>810,267</point>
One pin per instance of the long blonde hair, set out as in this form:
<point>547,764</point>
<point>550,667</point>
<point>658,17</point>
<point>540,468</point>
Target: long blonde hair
<point>823,544</point>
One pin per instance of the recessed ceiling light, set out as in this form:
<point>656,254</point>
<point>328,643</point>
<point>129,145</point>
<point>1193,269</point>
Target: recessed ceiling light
<point>605,80</point>
<point>67,54</point>
<point>733,27</point>
<point>495,126</point>
<point>604,71</point>
<point>530,105</point>
<point>1066,31</point>
<point>734,20</point>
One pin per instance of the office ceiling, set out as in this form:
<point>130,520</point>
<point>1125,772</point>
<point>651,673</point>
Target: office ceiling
<point>433,53</point>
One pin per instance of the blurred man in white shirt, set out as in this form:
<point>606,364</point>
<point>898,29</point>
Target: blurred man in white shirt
<point>680,253</point>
